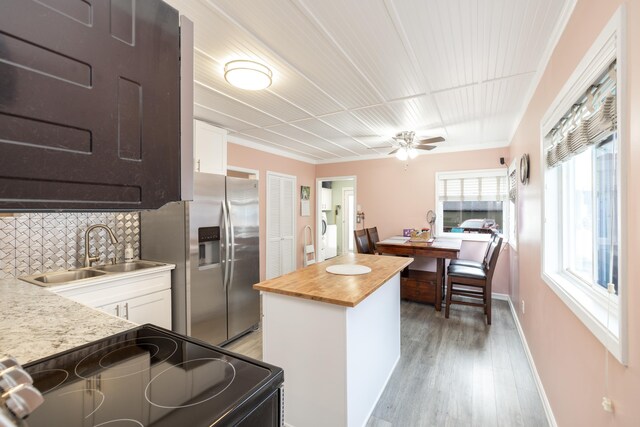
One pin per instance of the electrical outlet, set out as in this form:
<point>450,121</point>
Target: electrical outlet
<point>522,306</point>
<point>607,404</point>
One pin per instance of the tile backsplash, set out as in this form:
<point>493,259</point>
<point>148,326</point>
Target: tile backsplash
<point>42,242</point>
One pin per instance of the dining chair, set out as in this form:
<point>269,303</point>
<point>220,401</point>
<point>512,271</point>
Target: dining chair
<point>372,235</point>
<point>474,263</point>
<point>473,283</point>
<point>362,242</point>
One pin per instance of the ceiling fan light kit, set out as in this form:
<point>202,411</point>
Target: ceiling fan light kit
<point>401,154</point>
<point>248,75</point>
<point>404,153</point>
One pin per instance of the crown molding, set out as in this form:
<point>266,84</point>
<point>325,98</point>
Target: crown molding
<point>441,150</point>
<point>242,141</point>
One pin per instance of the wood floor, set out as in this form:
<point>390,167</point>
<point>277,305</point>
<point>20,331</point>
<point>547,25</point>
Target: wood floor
<point>455,372</point>
<point>249,345</point>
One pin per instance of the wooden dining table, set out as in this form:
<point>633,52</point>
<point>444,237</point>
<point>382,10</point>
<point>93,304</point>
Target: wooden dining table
<point>440,249</point>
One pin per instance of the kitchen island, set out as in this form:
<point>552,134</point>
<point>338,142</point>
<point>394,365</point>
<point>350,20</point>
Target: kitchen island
<point>337,338</point>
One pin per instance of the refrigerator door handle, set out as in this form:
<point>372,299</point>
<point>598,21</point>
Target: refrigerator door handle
<point>225,259</point>
<point>232,259</point>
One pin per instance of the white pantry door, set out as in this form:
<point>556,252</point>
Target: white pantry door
<point>281,224</point>
<point>349,214</point>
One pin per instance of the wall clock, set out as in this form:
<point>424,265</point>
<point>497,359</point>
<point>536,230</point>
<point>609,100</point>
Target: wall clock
<point>524,169</point>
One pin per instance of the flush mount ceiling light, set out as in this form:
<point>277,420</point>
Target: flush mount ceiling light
<point>246,74</point>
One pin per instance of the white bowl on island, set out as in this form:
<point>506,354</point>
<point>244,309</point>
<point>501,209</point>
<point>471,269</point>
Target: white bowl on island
<point>348,269</point>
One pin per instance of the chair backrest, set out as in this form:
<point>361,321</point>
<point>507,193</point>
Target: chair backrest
<point>362,241</point>
<point>494,238</point>
<point>494,250</point>
<point>372,234</point>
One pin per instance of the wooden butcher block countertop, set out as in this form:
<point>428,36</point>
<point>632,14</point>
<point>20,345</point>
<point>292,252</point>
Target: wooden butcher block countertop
<point>314,283</point>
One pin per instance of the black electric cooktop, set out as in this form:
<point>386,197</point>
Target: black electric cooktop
<point>149,376</point>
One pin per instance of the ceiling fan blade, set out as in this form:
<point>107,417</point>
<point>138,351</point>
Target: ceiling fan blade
<point>394,151</point>
<point>380,147</point>
<point>424,147</point>
<point>431,140</point>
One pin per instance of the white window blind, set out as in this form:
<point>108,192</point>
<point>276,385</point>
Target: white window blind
<point>473,189</point>
<point>513,185</point>
<point>590,121</point>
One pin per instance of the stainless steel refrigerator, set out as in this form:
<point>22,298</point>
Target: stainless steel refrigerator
<point>213,241</point>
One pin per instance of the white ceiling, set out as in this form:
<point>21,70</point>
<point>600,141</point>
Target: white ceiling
<point>349,74</point>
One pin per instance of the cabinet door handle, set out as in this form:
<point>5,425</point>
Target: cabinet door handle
<point>126,310</point>
<point>117,310</point>
<point>198,165</point>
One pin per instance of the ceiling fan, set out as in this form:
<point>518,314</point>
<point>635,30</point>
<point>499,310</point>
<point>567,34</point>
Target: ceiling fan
<point>406,144</point>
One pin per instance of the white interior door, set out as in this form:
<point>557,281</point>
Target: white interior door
<point>287,225</point>
<point>281,224</point>
<point>348,225</point>
<point>274,186</point>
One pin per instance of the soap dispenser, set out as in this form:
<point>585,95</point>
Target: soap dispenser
<point>128,253</point>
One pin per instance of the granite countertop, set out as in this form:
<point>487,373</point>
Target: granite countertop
<point>315,283</point>
<point>36,322</point>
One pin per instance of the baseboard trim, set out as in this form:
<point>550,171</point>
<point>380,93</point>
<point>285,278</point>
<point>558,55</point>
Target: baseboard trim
<point>543,395</point>
<point>503,297</point>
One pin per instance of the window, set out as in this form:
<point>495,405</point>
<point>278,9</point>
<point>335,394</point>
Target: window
<point>471,202</point>
<point>590,216</point>
<point>583,227</point>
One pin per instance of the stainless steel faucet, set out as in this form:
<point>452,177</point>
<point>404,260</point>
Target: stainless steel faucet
<point>88,258</point>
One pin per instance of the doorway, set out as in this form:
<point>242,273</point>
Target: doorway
<point>335,216</point>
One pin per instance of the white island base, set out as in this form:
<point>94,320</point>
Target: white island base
<point>336,359</point>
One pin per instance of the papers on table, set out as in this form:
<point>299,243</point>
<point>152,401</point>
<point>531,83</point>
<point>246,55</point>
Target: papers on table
<point>447,244</point>
<point>395,240</point>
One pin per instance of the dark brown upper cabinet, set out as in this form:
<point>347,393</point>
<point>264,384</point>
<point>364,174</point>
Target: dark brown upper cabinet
<point>89,105</point>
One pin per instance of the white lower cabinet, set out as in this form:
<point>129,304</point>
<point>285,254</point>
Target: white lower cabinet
<point>140,298</point>
<point>150,308</point>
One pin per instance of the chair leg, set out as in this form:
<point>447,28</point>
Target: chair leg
<point>488,305</point>
<point>448,301</point>
<point>484,299</point>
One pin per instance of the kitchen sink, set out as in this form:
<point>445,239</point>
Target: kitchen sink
<point>84,275</point>
<point>66,276</point>
<point>127,266</point>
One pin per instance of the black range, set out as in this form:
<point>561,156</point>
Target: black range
<point>149,376</point>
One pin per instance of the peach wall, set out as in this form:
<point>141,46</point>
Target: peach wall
<point>305,173</point>
<point>569,359</point>
<point>375,192</point>
<point>396,195</point>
